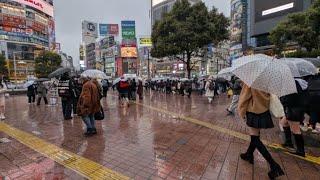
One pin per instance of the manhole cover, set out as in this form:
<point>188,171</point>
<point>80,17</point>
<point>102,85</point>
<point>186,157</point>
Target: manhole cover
<point>5,140</point>
<point>182,141</point>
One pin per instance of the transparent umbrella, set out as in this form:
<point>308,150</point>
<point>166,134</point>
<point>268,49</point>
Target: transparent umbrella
<point>94,73</point>
<point>263,73</point>
<point>299,67</point>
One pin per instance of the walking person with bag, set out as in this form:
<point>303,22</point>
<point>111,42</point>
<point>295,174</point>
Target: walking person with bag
<point>295,108</point>
<point>210,86</point>
<point>3,90</point>
<point>89,104</point>
<point>254,107</point>
<point>236,88</point>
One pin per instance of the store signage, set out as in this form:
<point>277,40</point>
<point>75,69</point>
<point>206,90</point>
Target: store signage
<point>145,42</point>
<point>89,29</point>
<point>128,29</point>
<point>38,4</point>
<point>113,29</point>
<point>103,29</point>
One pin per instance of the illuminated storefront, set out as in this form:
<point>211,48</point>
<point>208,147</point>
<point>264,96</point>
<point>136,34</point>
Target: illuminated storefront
<point>26,29</point>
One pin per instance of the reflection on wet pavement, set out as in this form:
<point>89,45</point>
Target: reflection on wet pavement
<point>143,143</point>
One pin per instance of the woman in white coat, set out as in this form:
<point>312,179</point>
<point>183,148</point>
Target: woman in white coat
<point>3,90</point>
<point>210,90</point>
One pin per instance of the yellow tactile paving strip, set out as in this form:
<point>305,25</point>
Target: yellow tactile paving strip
<point>81,165</point>
<point>236,134</point>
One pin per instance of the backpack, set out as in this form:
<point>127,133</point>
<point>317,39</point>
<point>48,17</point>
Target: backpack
<point>123,85</point>
<point>314,91</point>
<point>211,86</point>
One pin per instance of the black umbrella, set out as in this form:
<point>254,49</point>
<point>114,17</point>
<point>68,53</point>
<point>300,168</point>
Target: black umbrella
<point>59,72</point>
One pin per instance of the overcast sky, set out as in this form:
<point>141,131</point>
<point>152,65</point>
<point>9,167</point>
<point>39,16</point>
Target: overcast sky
<point>70,13</point>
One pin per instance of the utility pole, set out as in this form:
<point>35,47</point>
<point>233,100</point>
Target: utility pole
<point>15,67</point>
<point>148,63</point>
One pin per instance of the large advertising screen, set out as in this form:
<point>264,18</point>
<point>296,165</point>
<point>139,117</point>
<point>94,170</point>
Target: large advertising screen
<point>38,4</point>
<point>129,52</point>
<point>236,21</point>
<point>275,8</point>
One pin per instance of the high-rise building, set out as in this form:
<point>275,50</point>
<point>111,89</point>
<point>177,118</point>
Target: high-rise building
<point>267,14</point>
<point>26,29</point>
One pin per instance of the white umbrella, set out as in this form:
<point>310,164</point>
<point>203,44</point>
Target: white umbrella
<point>299,67</point>
<point>226,72</point>
<point>94,73</point>
<point>184,79</point>
<point>28,83</point>
<point>116,81</point>
<point>263,73</point>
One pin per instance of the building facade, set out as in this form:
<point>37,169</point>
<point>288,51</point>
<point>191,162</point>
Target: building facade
<point>266,15</point>
<point>253,20</point>
<point>26,29</point>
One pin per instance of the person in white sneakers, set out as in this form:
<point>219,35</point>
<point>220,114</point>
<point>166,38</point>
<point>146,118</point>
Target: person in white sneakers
<point>3,90</point>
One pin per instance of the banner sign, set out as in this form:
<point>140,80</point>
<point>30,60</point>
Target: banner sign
<point>128,29</point>
<point>113,29</point>
<point>89,29</point>
<point>108,29</point>
<point>38,4</point>
<point>145,41</point>
<point>103,29</point>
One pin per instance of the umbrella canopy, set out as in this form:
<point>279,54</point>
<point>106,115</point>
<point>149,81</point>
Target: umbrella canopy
<point>42,79</point>
<point>28,83</point>
<point>94,73</point>
<point>263,73</point>
<point>185,79</point>
<point>59,72</point>
<point>226,72</point>
<point>314,61</point>
<point>299,67</point>
<point>116,81</point>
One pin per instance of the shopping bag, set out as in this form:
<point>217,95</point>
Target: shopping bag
<point>276,107</point>
<point>99,115</point>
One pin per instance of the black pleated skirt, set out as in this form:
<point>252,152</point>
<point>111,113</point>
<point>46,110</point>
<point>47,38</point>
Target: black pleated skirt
<point>260,121</point>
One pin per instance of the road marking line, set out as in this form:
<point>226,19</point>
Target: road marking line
<point>236,134</point>
<point>81,165</point>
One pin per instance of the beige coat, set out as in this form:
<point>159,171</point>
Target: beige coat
<point>252,100</point>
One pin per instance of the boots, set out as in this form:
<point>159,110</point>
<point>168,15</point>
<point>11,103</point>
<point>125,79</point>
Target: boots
<point>88,132</point>
<point>300,145</point>
<point>276,170</point>
<point>288,140</point>
<point>248,156</point>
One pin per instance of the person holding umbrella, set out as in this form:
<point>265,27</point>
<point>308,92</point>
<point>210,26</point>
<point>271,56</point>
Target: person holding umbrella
<point>89,104</point>
<point>254,108</point>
